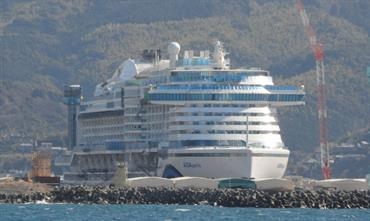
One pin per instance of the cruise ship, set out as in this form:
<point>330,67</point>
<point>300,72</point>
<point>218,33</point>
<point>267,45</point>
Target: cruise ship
<point>186,115</point>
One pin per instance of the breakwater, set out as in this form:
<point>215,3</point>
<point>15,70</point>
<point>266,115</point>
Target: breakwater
<point>214,197</point>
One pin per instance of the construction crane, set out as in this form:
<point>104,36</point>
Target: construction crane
<point>318,51</point>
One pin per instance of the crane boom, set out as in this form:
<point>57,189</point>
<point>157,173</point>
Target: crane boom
<point>318,51</point>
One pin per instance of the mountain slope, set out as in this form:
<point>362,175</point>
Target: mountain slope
<point>48,44</point>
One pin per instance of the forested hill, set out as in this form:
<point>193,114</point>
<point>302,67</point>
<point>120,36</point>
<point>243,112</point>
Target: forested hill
<point>46,44</point>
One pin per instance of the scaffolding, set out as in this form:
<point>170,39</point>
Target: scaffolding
<point>41,164</point>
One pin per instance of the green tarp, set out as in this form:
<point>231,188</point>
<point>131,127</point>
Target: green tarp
<point>234,183</point>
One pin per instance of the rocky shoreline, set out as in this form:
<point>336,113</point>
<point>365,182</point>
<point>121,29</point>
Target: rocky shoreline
<point>215,197</point>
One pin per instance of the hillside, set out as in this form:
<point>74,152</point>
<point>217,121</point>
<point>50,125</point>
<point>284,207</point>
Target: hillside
<point>46,44</point>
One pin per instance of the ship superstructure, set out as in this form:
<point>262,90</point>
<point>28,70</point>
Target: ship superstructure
<point>192,116</point>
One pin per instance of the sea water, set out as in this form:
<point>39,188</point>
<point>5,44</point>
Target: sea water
<point>83,212</point>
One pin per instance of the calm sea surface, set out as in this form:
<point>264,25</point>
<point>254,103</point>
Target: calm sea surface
<point>70,212</point>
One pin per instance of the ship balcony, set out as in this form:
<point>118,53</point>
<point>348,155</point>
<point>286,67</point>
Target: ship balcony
<point>278,99</point>
<point>242,128</point>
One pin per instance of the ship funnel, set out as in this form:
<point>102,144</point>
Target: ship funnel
<point>219,61</point>
<point>173,50</point>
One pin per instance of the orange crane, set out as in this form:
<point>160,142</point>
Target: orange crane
<point>318,51</point>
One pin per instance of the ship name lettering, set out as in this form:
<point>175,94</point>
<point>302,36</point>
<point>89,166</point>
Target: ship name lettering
<point>191,165</point>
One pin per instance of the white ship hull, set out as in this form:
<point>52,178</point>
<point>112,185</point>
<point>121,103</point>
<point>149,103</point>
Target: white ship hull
<point>226,162</point>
